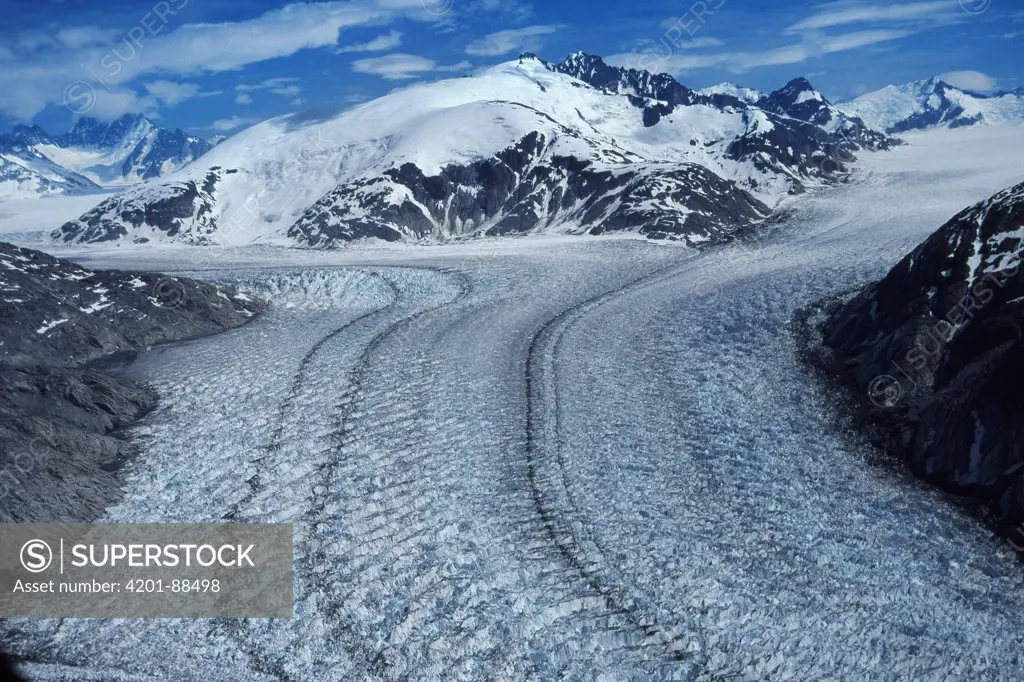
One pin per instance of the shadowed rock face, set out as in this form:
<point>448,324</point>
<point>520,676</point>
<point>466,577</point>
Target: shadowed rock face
<point>59,314</point>
<point>7,672</point>
<point>59,418</point>
<point>57,435</point>
<point>937,348</point>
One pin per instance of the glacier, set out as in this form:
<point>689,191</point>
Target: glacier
<point>545,458</point>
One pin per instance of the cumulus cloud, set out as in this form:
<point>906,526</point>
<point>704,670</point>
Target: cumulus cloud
<point>969,80</point>
<point>172,93</point>
<point>401,66</point>
<point>243,99</point>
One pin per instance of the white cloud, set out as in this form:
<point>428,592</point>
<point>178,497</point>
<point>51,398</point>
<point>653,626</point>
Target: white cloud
<point>45,65</point>
<point>673,62</point>
<point>852,41</point>
<point>514,11</point>
<point>109,104</point>
<point>381,43</point>
<point>843,13</point>
<point>279,86</point>
<point>225,124</point>
<point>401,66</point>
<point>171,93</point>
<point>969,80</point>
<point>77,37</point>
<point>243,98</point>
<point>503,42</point>
<point>32,40</point>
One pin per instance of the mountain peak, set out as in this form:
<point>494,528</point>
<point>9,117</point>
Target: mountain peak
<point>799,90</point>
<point>94,133</point>
<point>29,135</point>
<point>934,103</point>
<point>729,89</point>
<point>580,64</point>
<point>798,99</point>
<point>534,146</point>
<point>799,84</point>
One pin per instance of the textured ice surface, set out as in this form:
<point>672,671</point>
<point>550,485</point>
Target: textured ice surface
<point>563,459</point>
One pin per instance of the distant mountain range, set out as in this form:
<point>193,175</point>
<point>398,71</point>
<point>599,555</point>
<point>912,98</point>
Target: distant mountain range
<point>126,151</point>
<point>933,103</point>
<point>577,146</point>
<point>132,149</point>
<point>26,173</point>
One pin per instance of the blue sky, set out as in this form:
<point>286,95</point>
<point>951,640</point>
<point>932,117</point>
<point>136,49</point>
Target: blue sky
<point>214,66</point>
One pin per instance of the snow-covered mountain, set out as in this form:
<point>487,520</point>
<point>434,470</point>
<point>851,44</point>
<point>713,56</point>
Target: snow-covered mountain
<point>26,173</point>
<point>745,94</point>
<point>126,151</point>
<point>577,146</point>
<point>933,103</point>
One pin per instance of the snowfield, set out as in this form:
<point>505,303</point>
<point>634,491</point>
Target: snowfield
<point>575,459</point>
<point>28,220</point>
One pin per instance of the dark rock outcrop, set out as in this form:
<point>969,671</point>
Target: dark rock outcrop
<point>178,202</point>
<point>59,416</point>
<point>936,349</point>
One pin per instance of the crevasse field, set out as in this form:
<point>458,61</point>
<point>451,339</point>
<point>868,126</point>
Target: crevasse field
<point>563,458</point>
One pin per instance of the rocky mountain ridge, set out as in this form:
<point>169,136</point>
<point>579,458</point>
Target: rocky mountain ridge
<point>578,146</point>
<point>93,153</point>
<point>59,415</point>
